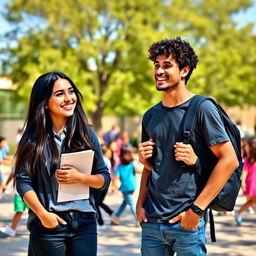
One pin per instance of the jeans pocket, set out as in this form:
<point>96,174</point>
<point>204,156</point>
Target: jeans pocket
<point>38,228</point>
<point>40,225</point>
<point>55,228</point>
<point>187,230</point>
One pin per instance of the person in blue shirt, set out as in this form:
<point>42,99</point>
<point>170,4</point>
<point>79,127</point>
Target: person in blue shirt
<point>126,173</point>
<point>55,124</point>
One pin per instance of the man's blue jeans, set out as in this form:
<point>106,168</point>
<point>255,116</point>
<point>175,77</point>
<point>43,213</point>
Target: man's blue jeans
<point>128,199</point>
<point>167,239</point>
<point>78,237</point>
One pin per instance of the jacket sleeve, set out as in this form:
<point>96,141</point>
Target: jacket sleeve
<point>99,166</point>
<point>24,182</point>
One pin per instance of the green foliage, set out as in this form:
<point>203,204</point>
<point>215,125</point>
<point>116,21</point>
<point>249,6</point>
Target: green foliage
<point>102,45</point>
<point>226,69</point>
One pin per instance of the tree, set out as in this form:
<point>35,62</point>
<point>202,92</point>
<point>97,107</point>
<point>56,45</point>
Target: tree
<point>102,45</point>
<point>97,43</point>
<point>227,53</point>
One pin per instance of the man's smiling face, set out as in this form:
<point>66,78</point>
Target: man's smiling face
<point>167,74</point>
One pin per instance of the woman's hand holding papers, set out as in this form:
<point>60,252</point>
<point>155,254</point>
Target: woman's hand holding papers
<point>68,175</point>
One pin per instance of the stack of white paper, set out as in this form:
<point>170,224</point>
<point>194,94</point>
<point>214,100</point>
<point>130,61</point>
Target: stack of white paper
<point>82,161</point>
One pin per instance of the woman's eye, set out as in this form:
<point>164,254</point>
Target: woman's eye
<point>59,94</point>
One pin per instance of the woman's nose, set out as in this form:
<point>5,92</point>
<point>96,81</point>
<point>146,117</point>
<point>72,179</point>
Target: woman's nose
<point>67,97</point>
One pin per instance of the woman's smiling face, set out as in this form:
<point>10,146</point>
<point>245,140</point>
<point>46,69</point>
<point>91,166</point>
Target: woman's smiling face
<point>62,102</point>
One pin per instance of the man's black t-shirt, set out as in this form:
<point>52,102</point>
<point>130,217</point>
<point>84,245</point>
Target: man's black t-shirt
<point>172,189</point>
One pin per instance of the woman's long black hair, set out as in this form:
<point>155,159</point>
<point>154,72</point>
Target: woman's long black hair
<point>38,127</point>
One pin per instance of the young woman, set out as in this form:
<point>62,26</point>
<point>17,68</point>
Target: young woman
<point>56,123</point>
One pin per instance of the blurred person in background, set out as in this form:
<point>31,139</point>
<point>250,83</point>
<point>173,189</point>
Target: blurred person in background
<point>111,135</point>
<point>245,147</point>
<point>126,173</point>
<point>19,205</point>
<point>100,195</point>
<point>18,135</point>
<point>5,159</point>
<point>248,181</point>
<point>122,140</point>
<point>114,160</point>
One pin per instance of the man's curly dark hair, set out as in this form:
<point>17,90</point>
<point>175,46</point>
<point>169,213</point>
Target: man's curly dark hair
<point>181,51</point>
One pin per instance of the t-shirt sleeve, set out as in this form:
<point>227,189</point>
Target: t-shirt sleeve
<point>144,134</point>
<point>211,125</point>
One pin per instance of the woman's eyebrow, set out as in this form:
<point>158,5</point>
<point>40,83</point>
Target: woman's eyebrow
<point>61,90</point>
<point>58,91</point>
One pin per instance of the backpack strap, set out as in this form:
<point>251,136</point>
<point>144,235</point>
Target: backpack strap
<point>212,226</point>
<point>189,122</point>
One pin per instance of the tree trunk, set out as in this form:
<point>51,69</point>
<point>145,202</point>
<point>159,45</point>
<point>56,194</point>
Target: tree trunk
<point>97,114</point>
<point>96,117</point>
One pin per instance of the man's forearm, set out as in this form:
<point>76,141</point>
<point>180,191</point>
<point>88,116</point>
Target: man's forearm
<point>216,181</point>
<point>143,187</point>
<point>146,163</point>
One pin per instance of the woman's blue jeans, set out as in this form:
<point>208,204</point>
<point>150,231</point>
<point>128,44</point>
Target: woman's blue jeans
<point>127,200</point>
<point>166,239</point>
<point>78,237</point>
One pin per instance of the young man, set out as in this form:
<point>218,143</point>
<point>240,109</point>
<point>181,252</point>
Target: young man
<point>172,200</point>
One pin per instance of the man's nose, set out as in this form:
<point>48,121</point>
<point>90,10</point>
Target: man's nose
<point>160,70</point>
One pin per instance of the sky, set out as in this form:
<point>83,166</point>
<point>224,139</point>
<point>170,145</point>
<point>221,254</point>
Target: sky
<point>242,18</point>
<point>249,16</point>
<point>3,24</point>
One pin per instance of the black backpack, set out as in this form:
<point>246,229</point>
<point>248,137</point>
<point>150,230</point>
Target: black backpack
<point>226,199</point>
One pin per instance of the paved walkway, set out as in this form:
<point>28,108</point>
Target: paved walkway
<point>124,240</point>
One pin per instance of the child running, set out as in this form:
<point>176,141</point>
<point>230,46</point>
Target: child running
<point>126,173</point>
